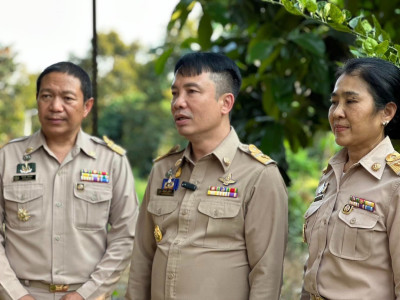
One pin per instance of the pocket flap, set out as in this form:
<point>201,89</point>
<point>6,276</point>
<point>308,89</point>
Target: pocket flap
<point>359,218</point>
<point>162,207</point>
<point>93,194</point>
<point>23,193</point>
<point>219,208</point>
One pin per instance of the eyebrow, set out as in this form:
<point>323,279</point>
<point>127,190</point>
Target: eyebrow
<point>63,92</point>
<point>346,93</point>
<point>186,85</point>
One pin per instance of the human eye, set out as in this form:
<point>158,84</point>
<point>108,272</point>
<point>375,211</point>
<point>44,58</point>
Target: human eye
<point>45,96</point>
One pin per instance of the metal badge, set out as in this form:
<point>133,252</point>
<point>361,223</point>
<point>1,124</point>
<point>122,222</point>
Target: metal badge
<point>157,234</point>
<point>347,209</point>
<point>227,180</point>
<point>23,215</point>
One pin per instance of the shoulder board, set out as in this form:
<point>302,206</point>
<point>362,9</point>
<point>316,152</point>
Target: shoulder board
<point>98,140</point>
<point>20,139</point>
<point>114,147</point>
<point>393,161</point>
<point>256,154</point>
<point>171,151</point>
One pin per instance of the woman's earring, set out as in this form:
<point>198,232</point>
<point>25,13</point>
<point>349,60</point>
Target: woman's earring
<point>384,123</point>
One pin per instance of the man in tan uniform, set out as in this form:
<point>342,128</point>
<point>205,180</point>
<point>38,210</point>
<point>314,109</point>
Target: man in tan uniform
<point>213,223</point>
<point>67,200</point>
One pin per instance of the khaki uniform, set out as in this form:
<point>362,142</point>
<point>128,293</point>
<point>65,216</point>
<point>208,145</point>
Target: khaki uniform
<point>354,253</point>
<point>56,224</point>
<point>191,245</point>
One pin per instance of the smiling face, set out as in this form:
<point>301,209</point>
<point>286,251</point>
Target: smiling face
<point>197,113</point>
<point>61,106</point>
<point>353,117</point>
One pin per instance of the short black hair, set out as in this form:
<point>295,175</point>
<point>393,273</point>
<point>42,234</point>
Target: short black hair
<point>227,75</point>
<point>383,80</point>
<point>70,69</point>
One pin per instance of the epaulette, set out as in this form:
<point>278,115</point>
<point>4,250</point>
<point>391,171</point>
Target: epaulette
<point>114,147</point>
<point>393,161</point>
<point>20,139</point>
<point>171,151</point>
<point>257,154</point>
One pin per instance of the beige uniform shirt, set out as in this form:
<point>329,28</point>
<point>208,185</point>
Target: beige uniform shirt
<point>56,224</point>
<point>207,246</point>
<point>355,253</point>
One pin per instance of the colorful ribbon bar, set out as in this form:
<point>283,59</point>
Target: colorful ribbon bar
<point>222,194</point>
<point>362,203</point>
<point>94,176</point>
<point>223,189</point>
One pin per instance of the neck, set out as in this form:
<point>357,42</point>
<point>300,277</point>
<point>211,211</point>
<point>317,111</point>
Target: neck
<point>201,146</point>
<point>60,145</point>
<point>356,154</point>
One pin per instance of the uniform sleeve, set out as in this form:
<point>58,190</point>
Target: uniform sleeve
<point>8,279</point>
<point>393,225</point>
<point>266,230</point>
<point>122,220</point>
<point>139,285</point>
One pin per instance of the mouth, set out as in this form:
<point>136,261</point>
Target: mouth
<point>179,118</point>
<point>340,128</point>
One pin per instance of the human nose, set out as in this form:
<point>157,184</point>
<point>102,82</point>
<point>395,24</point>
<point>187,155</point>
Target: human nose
<point>337,111</point>
<point>56,104</point>
<point>178,102</point>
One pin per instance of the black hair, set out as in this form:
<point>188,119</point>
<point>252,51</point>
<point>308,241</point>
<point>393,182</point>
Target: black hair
<point>383,80</point>
<point>70,69</point>
<point>224,72</point>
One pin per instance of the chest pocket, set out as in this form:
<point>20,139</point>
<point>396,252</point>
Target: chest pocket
<point>92,206</point>
<point>162,211</point>
<point>219,224</point>
<point>310,219</point>
<point>23,206</point>
<point>352,234</point>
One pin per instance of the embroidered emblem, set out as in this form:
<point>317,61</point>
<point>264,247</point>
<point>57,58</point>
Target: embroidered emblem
<point>113,146</point>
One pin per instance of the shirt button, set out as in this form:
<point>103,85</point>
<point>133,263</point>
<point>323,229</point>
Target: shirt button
<point>184,212</point>
<point>57,238</point>
<point>159,211</point>
<point>353,221</point>
<point>171,275</point>
<point>215,213</point>
<point>58,204</point>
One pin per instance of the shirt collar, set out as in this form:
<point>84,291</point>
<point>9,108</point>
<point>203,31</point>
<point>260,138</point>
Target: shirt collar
<point>374,162</point>
<point>83,142</point>
<point>224,152</point>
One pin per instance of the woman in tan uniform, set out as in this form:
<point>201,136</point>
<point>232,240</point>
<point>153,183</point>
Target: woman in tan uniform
<point>353,226</point>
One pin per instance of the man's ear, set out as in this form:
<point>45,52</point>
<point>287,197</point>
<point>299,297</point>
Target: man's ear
<point>227,100</point>
<point>87,107</point>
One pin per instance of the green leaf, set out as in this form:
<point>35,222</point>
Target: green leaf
<point>354,22</point>
<point>335,13</point>
<point>360,28</point>
<point>268,101</point>
<point>347,15</point>
<point>367,27</point>
<point>302,4</point>
<point>289,6</point>
<point>311,6</point>
<point>259,50</point>
<point>205,31</point>
<point>268,61</point>
<point>340,27</point>
<point>309,42</point>
<point>377,26</point>
<point>162,59</point>
<point>369,45</point>
<point>381,48</point>
<point>397,47</point>
<point>392,58</point>
<point>180,13</point>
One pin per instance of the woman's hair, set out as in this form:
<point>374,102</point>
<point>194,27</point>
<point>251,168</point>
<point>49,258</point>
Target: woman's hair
<point>383,80</point>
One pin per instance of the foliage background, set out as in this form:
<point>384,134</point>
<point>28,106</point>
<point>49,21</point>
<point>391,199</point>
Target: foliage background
<point>287,51</point>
